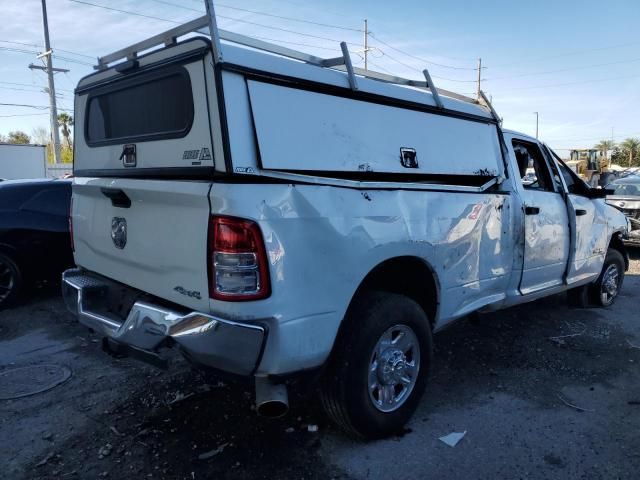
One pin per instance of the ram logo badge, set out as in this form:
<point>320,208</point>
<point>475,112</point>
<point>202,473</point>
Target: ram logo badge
<point>119,232</point>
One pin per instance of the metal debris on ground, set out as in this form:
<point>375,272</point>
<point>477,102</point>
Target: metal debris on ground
<point>312,428</point>
<point>575,407</point>
<point>453,438</point>
<point>213,453</point>
<point>632,345</point>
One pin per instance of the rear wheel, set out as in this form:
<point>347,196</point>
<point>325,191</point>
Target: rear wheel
<point>606,288</point>
<point>10,280</point>
<point>379,366</point>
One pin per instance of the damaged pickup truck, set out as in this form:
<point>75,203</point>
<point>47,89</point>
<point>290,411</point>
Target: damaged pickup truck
<point>270,213</point>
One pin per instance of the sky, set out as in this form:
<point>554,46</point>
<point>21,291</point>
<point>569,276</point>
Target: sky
<point>576,63</point>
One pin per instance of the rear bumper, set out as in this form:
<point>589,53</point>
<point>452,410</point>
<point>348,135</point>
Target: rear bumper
<point>205,339</point>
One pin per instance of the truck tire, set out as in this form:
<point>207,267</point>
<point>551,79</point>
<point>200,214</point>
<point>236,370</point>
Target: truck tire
<point>606,288</point>
<point>10,280</point>
<point>379,367</point>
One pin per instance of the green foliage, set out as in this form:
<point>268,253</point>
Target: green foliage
<point>65,152</point>
<point>605,145</point>
<point>18,137</point>
<point>65,121</point>
<point>625,154</point>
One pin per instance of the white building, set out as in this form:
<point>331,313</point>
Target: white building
<point>22,161</point>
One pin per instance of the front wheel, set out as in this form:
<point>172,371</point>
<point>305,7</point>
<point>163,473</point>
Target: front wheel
<point>379,367</point>
<point>606,288</point>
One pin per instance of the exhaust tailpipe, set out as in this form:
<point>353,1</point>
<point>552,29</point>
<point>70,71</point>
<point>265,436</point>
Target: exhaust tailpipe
<point>272,399</point>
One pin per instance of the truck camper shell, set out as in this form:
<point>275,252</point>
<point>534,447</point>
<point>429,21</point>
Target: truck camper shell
<point>267,111</point>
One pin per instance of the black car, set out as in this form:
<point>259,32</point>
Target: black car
<point>626,198</point>
<point>34,233</point>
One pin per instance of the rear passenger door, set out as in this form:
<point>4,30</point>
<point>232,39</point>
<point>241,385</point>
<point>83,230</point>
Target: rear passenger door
<point>546,221</point>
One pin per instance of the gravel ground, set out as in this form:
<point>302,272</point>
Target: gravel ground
<point>541,390</point>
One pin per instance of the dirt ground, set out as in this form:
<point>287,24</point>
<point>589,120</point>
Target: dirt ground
<point>542,392</point>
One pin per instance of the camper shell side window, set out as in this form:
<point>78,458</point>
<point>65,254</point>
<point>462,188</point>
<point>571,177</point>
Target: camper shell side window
<point>149,106</point>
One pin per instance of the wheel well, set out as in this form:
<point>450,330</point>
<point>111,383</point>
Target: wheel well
<point>410,276</point>
<point>616,243</point>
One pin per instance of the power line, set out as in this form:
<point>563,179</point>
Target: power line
<point>420,71</point>
<point>37,107</point>
<point>418,58</point>
<point>571,83</point>
<point>128,12</point>
<point>34,52</point>
<point>40,46</point>
<point>565,69</point>
<point>256,12</point>
<point>124,11</point>
<point>567,54</point>
<point>23,115</point>
<point>33,86</point>
<point>22,89</point>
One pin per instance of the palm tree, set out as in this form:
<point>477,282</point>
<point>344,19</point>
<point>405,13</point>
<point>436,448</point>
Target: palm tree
<point>630,145</point>
<point>605,146</point>
<point>65,121</point>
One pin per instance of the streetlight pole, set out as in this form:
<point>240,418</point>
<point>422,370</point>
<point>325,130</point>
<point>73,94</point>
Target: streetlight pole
<point>536,124</point>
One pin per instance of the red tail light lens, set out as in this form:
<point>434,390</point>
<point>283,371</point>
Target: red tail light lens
<point>237,260</point>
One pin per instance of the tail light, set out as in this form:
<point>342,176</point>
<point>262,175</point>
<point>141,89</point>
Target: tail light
<point>73,247</point>
<point>237,261</point>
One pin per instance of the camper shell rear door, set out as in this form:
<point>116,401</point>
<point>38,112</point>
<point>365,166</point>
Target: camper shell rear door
<point>155,116</point>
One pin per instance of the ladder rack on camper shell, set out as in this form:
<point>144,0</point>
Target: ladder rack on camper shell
<point>207,25</point>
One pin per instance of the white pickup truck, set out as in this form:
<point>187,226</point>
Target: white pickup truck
<point>269,213</point>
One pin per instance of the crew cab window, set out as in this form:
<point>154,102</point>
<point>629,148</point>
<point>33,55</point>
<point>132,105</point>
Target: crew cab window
<point>147,107</point>
<point>533,169</point>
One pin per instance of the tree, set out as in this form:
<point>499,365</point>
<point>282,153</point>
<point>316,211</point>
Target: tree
<point>3,139</point>
<point>631,147</point>
<point>65,121</point>
<point>604,146</point>
<point>18,137</point>
<point>40,135</point>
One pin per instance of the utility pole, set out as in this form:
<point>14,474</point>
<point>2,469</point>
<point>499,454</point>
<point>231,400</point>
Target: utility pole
<point>366,42</point>
<point>536,124</point>
<point>48,68</point>
<point>479,74</point>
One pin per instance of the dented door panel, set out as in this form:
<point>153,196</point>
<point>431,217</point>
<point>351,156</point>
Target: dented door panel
<point>591,239</point>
